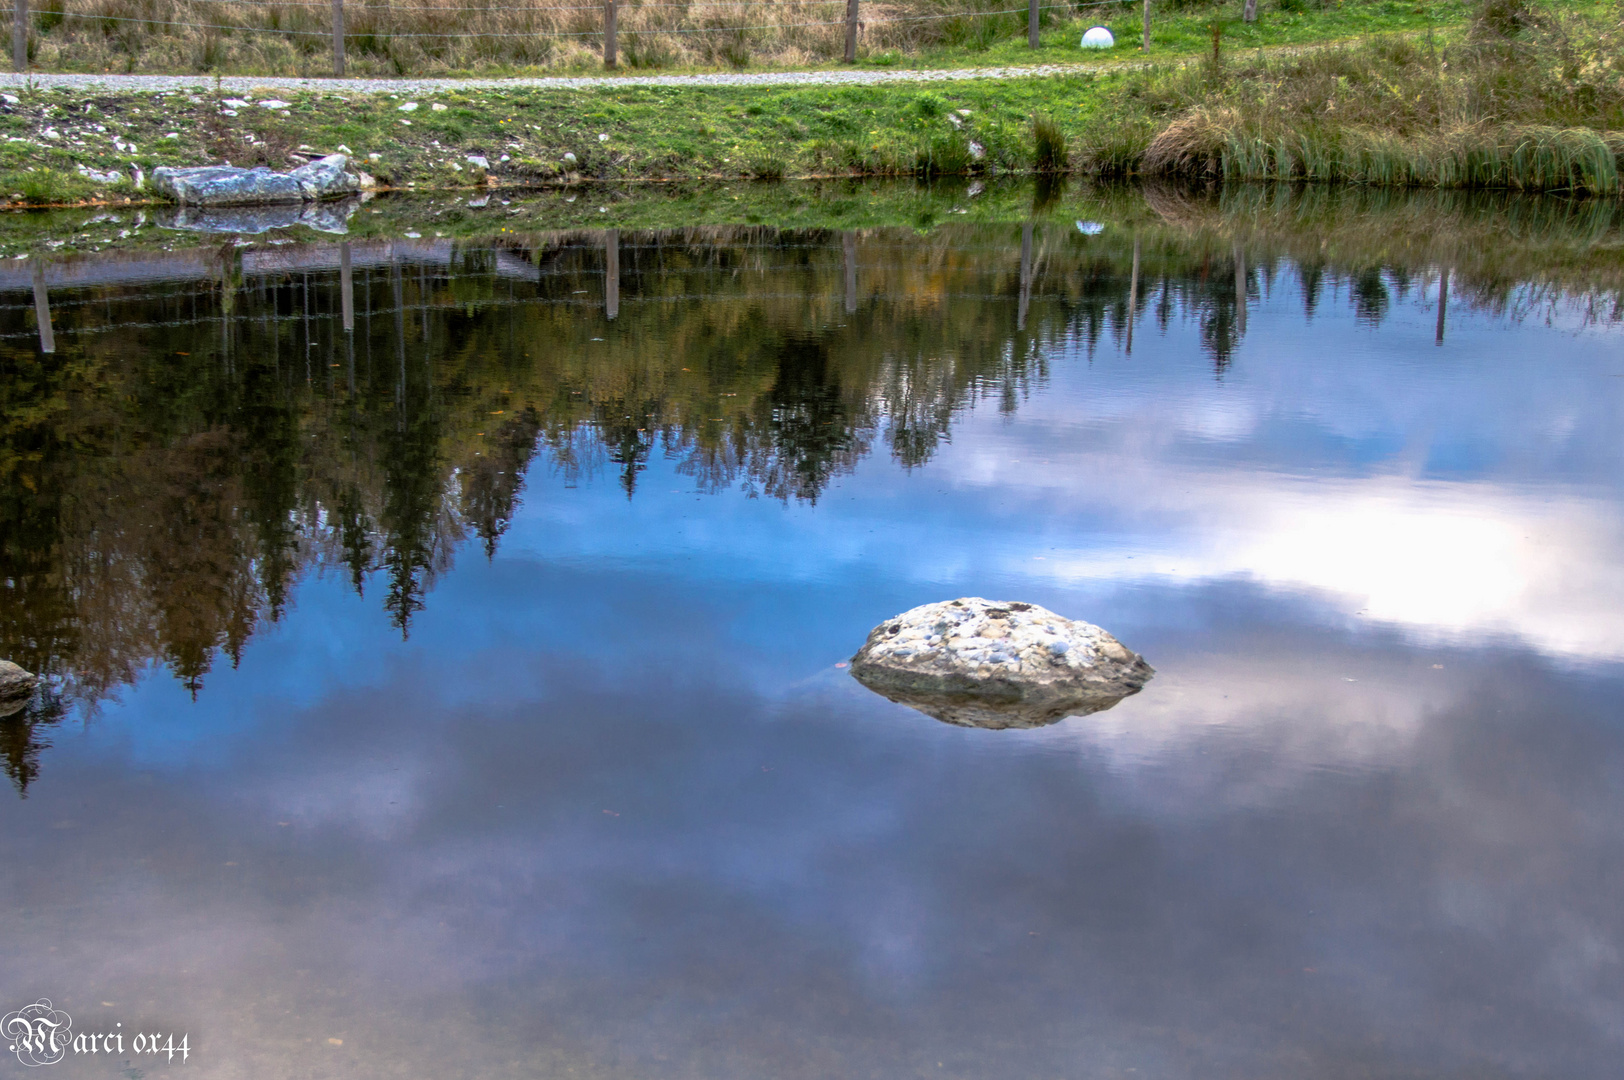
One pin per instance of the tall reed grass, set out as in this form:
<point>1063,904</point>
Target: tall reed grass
<point>1531,99</point>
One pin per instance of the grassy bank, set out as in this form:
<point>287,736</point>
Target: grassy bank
<point>1530,97</point>
<point>1521,97</point>
<point>532,137</point>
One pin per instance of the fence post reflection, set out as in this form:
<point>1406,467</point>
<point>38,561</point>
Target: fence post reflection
<point>227,302</point>
<point>400,339</point>
<point>1026,277</point>
<point>848,253</point>
<point>346,285</point>
<point>1443,304</point>
<point>1133,294</point>
<point>1240,290</point>
<point>611,273</point>
<point>42,310</point>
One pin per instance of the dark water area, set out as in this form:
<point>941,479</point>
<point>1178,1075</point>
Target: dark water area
<point>461,693</point>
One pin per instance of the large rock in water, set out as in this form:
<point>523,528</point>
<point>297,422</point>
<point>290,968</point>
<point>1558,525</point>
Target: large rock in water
<point>980,663</point>
<point>16,687</point>
<point>226,185</point>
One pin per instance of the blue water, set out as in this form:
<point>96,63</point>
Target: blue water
<point>611,808</point>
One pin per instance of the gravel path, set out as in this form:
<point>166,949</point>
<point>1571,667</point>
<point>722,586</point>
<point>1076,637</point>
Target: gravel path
<point>245,83</point>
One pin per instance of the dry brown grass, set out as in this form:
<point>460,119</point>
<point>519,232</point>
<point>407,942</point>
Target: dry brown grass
<point>421,37</point>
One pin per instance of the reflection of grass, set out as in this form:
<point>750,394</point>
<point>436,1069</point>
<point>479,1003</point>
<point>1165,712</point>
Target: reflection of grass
<point>1488,238</point>
<point>1491,242</point>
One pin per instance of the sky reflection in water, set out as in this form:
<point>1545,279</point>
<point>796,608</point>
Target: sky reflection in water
<point>610,807</point>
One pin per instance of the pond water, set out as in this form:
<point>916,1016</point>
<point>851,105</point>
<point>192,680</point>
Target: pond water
<point>462,694</point>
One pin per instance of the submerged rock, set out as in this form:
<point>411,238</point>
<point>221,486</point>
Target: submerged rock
<point>16,687</point>
<point>981,663</point>
<point>226,185</point>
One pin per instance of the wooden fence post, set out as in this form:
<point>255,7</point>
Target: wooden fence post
<point>1249,12</point>
<point>1146,44</point>
<point>19,36</point>
<point>338,39</point>
<point>608,33</point>
<point>1031,24</point>
<point>851,31</point>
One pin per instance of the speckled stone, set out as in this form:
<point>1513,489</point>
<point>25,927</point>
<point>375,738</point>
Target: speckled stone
<point>224,185</point>
<point>997,664</point>
<point>16,686</point>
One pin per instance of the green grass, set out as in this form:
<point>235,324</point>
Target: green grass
<point>1186,32</point>
<point>970,40</point>
<point>651,132</point>
<point>1538,108</point>
<point>1541,110</point>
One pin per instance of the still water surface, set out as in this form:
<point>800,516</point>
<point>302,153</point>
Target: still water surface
<point>459,695</point>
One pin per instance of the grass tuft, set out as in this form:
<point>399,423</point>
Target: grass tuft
<point>1050,154</point>
<point>767,165</point>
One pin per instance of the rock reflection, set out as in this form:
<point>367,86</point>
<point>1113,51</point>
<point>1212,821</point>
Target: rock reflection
<point>964,710</point>
<point>326,217</point>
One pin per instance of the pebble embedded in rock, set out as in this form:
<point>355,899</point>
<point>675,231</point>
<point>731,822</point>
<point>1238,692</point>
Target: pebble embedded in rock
<point>994,664</point>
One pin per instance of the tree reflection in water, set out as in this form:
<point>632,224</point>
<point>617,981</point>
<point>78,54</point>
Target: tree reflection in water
<point>207,433</point>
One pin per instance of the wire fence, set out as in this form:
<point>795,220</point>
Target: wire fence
<point>555,33</point>
<point>397,38</point>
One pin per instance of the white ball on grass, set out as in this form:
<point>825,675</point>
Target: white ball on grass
<point>1097,37</point>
